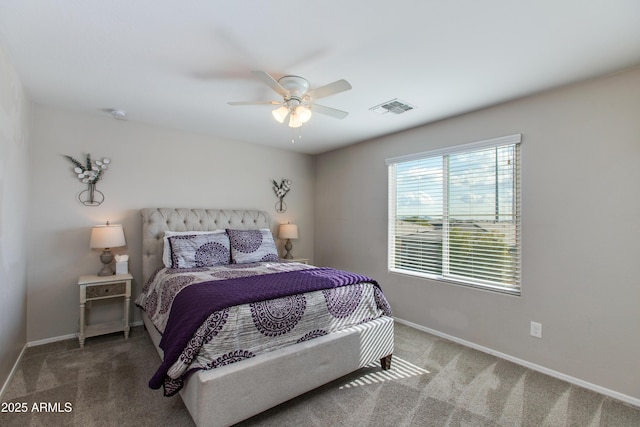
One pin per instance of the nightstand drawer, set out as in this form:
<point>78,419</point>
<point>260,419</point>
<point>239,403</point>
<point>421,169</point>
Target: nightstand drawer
<point>99,291</point>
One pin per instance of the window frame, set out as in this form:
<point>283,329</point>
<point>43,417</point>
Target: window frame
<point>509,140</point>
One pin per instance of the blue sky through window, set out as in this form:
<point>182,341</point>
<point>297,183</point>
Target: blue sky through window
<point>476,190</point>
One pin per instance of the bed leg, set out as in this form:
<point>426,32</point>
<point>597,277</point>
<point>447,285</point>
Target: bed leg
<point>385,362</point>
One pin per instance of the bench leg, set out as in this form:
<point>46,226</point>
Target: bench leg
<point>385,362</point>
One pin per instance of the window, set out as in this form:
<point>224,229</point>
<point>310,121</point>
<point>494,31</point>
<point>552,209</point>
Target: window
<point>454,214</point>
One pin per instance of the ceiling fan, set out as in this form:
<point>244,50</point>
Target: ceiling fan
<point>297,100</point>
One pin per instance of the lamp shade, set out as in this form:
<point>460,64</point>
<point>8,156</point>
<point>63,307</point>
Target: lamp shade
<point>280,113</point>
<point>294,121</point>
<point>288,231</point>
<point>107,236</point>
<point>303,113</point>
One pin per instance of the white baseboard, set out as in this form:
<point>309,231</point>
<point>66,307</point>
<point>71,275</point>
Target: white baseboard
<point>50,340</point>
<point>13,372</point>
<point>69,336</point>
<point>577,381</point>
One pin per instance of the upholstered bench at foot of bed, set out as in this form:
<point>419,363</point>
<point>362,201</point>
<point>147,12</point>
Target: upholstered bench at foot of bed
<point>232,393</point>
<point>238,391</point>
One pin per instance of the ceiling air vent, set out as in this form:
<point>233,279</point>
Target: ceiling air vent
<point>394,106</point>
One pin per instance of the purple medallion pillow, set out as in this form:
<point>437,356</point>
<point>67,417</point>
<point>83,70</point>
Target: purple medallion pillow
<point>199,250</point>
<point>252,246</point>
<point>166,248</point>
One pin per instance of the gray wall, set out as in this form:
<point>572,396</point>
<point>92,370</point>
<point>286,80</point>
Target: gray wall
<point>581,208</point>
<point>151,167</point>
<point>14,197</point>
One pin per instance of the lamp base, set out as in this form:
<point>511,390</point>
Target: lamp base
<point>288,246</point>
<point>106,271</point>
<point>106,257</point>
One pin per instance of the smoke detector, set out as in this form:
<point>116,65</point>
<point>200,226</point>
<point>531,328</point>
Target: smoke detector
<point>118,114</point>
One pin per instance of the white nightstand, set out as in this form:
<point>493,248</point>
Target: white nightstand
<point>302,260</point>
<point>94,287</point>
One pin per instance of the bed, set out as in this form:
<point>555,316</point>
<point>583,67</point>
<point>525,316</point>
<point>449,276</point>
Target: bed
<point>236,391</point>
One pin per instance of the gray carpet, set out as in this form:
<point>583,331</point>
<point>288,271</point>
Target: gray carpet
<point>433,382</point>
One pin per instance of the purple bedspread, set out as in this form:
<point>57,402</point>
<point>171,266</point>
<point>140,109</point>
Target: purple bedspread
<point>193,305</point>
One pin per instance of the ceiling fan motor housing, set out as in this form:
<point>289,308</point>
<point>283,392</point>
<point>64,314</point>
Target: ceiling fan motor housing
<point>295,85</point>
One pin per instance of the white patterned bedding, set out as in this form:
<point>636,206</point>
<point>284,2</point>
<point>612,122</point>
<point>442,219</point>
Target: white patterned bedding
<point>244,331</point>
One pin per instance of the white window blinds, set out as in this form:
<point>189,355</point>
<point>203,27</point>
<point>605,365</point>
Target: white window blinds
<point>454,214</point>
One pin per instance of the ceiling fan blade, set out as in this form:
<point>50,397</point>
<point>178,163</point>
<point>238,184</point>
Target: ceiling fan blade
<point>330,89</point>
<point>271,82</point>
<point>254,103</point>
<point>328,111</point>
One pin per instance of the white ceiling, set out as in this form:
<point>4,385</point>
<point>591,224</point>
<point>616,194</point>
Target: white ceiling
<point>177,63</point>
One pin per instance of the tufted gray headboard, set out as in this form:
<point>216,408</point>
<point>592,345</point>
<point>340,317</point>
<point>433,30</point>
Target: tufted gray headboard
<point>155,221</point>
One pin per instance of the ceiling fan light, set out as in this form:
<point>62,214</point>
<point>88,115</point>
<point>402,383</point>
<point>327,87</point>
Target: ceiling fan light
<point>280,114</point>
<point>303,113</point>
<point>294,121</point>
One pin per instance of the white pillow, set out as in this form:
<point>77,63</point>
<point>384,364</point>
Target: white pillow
<point>166,248</point>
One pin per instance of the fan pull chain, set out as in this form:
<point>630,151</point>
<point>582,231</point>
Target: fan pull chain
<point>293,137</point>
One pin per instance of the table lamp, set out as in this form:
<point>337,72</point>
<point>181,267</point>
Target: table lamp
<point>106,237</point>
<point>288,231</point>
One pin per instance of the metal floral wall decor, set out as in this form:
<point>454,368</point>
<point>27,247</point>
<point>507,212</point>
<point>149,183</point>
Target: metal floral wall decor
<point>281,190</point>
<point>90,173</point>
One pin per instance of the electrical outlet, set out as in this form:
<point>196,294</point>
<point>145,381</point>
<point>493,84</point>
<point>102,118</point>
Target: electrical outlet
<point>536,329</point>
